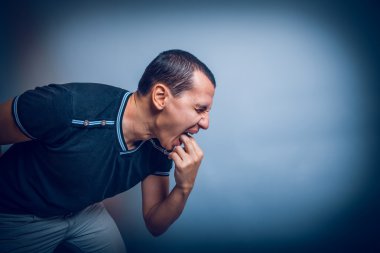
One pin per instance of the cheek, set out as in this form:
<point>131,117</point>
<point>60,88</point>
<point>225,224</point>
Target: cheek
<point>172,125</point>
<point>178,119</point>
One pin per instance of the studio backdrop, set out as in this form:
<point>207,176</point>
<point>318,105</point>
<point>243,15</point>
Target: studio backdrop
<point>292,149</point>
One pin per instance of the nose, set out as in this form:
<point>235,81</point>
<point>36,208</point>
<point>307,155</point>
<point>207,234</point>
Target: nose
<point>204,122</point>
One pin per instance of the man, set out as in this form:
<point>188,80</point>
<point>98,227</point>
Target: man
<point>76,144</point>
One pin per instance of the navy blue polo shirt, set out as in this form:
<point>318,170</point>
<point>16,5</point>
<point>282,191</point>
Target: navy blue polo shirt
<point>77,155</point>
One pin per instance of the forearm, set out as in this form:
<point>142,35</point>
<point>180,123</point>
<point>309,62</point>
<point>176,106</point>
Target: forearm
<point>160,208</point>
<point>163,214</point>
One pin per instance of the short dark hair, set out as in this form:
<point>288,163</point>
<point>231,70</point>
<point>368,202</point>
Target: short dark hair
<point>175,69</point>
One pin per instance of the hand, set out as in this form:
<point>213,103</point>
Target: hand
<point>187,161</point>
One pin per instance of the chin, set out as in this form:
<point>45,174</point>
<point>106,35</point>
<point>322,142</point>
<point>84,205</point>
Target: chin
<point>168,147</point>
<point>165,145</point>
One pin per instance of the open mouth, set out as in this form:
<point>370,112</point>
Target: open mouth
<point>188,134</point>
<point>178,141</point>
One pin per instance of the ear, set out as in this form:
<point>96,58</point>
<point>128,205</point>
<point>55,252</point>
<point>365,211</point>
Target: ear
<point>160,96</point>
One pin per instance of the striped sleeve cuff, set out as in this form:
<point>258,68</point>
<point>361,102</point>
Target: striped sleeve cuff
<point>17,119</point>
<point>161,173</point>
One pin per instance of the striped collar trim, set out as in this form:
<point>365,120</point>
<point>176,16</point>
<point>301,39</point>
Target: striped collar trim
<point>119,126</point>
<point>156,146</point>
<point>119,121</point>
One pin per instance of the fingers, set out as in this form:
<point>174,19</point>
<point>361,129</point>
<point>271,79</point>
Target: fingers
<point>187,160</point>
<point>191,146</point>
<point>197,149</point>
<point>188,144</point>
<point>180,152</point>
<point>175,157</point>
<point>190,149</point>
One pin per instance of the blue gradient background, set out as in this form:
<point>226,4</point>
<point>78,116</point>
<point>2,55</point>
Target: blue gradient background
<point>292,152</point>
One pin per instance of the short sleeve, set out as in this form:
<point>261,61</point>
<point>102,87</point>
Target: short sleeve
<point>43,113</point>
<point>162,164</point>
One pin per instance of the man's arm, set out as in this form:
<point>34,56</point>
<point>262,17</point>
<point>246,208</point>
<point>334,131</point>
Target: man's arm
<point>161,208</point>
<point>9,132</point>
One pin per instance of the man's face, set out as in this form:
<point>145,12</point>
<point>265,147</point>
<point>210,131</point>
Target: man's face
<point>186,113</point>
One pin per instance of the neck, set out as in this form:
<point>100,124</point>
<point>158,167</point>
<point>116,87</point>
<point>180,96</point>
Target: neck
<point>137,121</point>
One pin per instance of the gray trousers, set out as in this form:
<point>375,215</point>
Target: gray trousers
<point>90,230</point>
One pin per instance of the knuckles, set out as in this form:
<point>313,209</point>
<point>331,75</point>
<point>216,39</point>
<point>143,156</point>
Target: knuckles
<point>188,164</point>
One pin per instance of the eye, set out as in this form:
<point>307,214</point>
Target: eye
<point>201,109</point>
